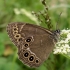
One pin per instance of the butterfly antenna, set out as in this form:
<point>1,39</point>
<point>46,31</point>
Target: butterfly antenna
<point>58,21</point>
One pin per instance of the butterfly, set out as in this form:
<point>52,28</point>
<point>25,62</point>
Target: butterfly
<point>34,43</point>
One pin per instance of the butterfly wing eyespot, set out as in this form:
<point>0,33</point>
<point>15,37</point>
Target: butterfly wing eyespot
<point>29,39</point>
<point>15,32</point>
<point>21,39</point>
<point>26,54</point>
<point>17,36</point>
<point>26,45</point>
<point>23,53</point>
<point>31,58</point>
<point>37,60</point>
<point>15,29</point>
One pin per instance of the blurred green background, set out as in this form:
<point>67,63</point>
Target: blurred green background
<point>8,52</point>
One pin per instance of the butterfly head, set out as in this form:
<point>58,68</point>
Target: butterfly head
<point>56,34</point>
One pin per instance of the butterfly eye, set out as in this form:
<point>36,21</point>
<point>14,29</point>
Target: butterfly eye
<point>31,58</point>
<point>58,31</point>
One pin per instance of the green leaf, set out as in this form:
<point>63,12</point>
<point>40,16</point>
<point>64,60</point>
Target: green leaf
<point>11,66</point>
<point>3,37</point>
<point>3,41</point>
<point>42,67</point>
<point>2,63</point>
<point>1,48</point>
<point>5,65</point>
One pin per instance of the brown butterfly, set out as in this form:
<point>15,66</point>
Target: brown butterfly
<point>34,43</point>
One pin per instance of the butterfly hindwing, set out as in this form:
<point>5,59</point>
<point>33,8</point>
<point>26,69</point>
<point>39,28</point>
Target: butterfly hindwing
<point>34,43</point>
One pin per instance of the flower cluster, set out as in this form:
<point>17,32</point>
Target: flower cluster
<point>63,45</point>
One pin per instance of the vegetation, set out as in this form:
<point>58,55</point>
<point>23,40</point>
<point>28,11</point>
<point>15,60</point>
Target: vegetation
<point>10,12</point>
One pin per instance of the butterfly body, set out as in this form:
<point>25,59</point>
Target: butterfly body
<point>34,43</point>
